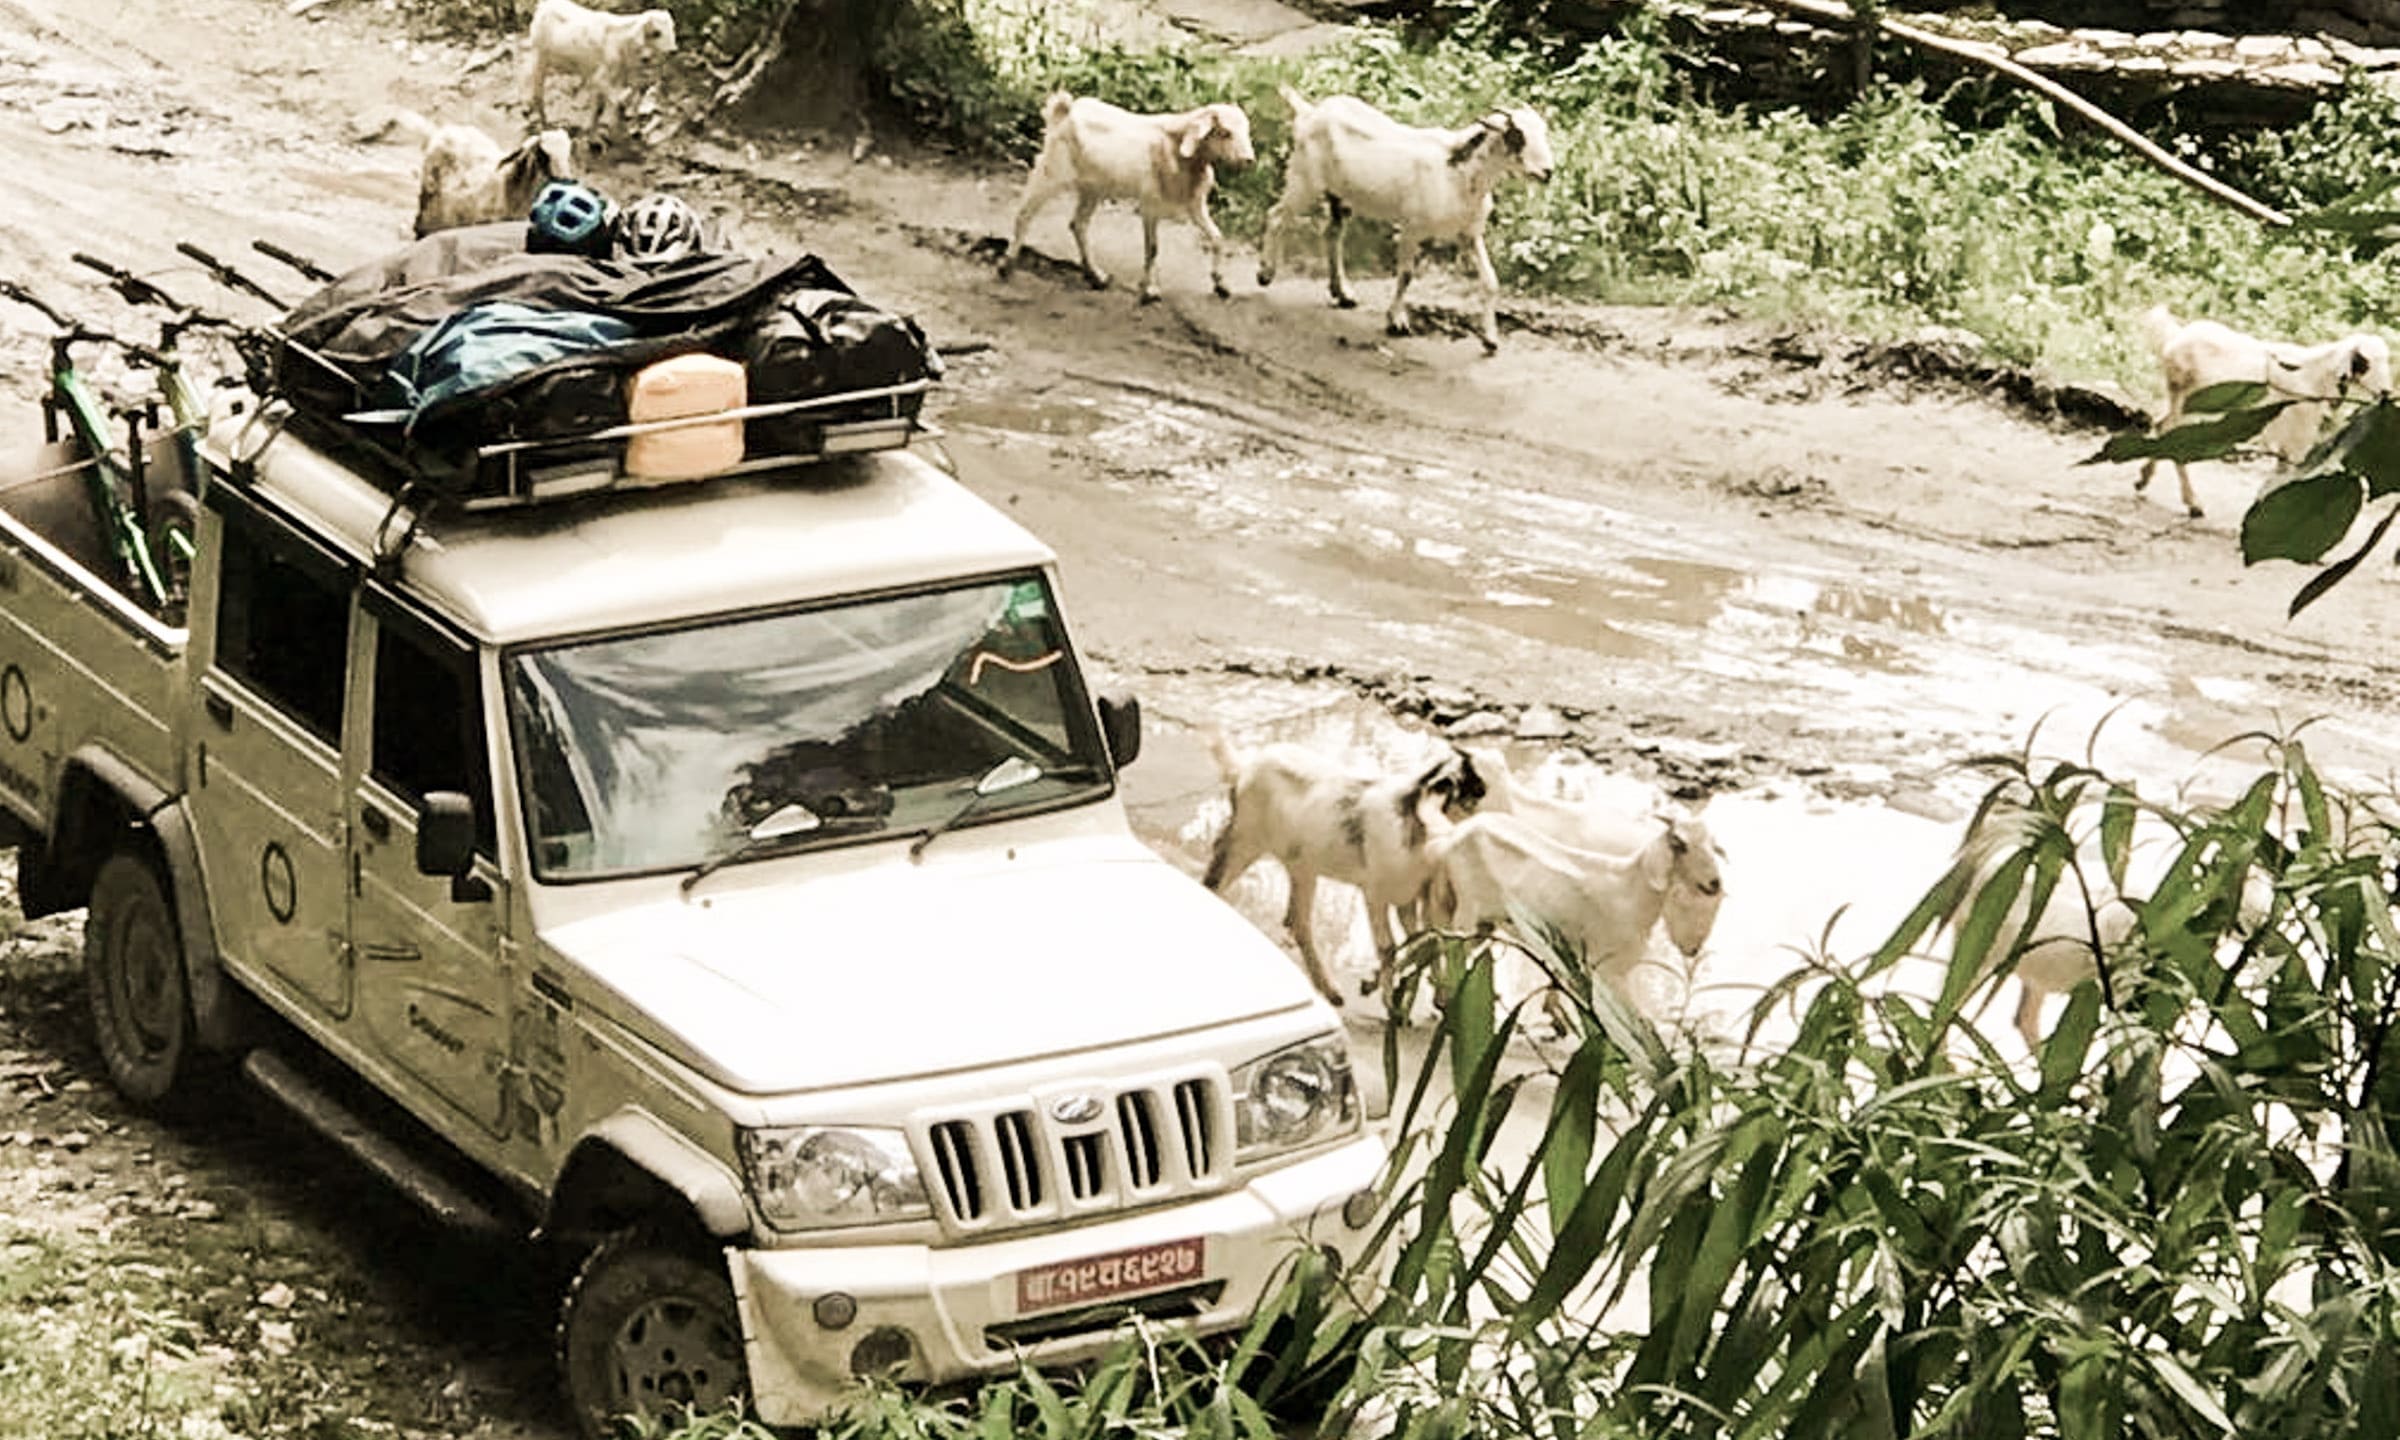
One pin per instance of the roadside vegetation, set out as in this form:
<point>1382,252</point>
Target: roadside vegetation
<point>1970,210</point>
<point>2175,1218</point>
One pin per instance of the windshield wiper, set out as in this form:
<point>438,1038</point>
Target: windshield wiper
<point>791,822</point>
<point>1013,773</point>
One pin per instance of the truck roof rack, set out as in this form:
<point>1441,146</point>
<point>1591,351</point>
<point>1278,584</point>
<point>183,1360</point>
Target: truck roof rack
<point>507,470</point>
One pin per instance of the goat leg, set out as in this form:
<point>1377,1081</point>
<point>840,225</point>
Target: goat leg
<point>1298,918</point>
<point>2029,1014</point>
<point>1490,281</point>
<point>1082,226</point>
<point>1216,249</point>
<point>1396,322</point>
<point>2191,502</point>
<point>1038,193</point>
<point>1270,241</point>
<point>1335,213</point>
<point>1149,291</point>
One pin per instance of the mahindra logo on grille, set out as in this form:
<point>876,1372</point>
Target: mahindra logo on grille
<point>1075,1109</point>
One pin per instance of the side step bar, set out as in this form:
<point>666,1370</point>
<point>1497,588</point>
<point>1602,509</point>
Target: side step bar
<point>443,1198</point>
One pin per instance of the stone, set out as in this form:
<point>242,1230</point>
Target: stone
<point>1480,723</point>
<point>1540,722</point>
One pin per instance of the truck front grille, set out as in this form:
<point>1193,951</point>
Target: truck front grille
<point>1072,1152</point>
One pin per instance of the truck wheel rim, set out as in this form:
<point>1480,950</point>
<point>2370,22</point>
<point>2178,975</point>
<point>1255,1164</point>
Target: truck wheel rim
<point>146,985</point>
<point>674,1352</point>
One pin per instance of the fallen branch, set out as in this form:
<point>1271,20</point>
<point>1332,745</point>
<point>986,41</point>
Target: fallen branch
<point>1826,12</point>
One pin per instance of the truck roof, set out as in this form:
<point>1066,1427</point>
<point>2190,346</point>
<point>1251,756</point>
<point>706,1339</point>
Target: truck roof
<point>629,558</point>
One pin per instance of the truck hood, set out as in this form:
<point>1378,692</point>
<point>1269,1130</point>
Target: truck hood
<point>781,976</point>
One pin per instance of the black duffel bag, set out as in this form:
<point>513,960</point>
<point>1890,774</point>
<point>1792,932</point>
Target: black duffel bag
<point>819,342</point>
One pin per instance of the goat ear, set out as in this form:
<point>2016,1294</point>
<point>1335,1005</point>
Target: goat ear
<point>1195,134</point>
<point>1513,137</point>
<point>1658,861</point>
<point>2359,364</point>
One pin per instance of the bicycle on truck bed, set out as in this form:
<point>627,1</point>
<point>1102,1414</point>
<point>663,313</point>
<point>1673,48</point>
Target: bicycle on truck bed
<point>174,512</point>
<point>112,483</point>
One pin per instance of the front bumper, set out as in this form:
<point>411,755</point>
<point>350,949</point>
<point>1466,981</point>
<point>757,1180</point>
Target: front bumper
<point>958,1306</point>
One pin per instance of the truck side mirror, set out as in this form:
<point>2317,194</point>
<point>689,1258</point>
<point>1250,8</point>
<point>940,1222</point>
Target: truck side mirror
<point>1121,725</point>
<point>445,834</point>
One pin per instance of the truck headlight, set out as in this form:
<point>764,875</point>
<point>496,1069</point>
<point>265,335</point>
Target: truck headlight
<point>815,1177</point>
<point>1293,1098</point>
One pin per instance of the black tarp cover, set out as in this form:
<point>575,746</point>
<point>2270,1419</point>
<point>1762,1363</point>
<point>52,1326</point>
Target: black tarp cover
<point>343,339</point>
<point>362,320</point>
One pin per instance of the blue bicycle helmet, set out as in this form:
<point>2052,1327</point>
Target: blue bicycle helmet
<point>570,217</point>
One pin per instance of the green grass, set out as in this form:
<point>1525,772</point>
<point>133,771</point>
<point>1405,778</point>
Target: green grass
<point>93,1345</point>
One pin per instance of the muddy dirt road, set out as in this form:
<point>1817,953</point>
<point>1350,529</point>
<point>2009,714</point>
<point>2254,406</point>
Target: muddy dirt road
<point>1645,545</point>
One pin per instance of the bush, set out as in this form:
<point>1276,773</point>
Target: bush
<point>2179,1216</point>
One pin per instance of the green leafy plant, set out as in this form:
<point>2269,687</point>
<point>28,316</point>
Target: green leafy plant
<point>2178,1216</point>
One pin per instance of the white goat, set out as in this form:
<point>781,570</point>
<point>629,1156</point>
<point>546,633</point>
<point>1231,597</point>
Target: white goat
<point>607,49</point>
<point>467,179</point>
<point>1165,164</point>
<point>1586,824</point>
<point>1495,866</point>
<point>2053,951</point>
<point>1324,821</point>
<point>2199,353</point>
<point>1434,184</point>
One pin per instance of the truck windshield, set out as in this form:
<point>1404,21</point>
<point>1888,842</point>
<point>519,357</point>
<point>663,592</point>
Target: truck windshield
<point>675,748</point>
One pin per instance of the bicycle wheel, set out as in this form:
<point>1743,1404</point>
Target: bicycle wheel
<point>174,537</point>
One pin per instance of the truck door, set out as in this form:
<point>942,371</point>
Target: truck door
<point>432,985</point>
<point>266,757</point>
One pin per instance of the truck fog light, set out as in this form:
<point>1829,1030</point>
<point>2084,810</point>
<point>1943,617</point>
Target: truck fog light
<point>834,1311</point>
<point>881,1350</point>
<point>1358,1212</point>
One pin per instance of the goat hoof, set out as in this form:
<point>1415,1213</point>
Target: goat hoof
<point>1147,297</point>
<point>1222,292</point>
<point>1490,345</point>
<point>1397,327</point>
<point>1344,302</point>
<point>2194,511</point>
<point>1097,278</point>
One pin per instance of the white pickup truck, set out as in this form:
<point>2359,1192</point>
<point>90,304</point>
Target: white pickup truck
<point>727,879</point>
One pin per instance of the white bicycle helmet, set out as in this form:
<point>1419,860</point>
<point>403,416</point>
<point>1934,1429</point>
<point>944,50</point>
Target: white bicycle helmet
<point>658,228</point>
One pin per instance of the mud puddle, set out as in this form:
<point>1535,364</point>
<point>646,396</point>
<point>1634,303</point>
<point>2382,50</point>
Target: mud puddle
<point>1538,592</point>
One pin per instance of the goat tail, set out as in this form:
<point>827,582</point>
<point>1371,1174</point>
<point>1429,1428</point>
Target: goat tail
<point>2159,326</point>
<point>1054,109</point>
<point>1300,103</point>
<point>1229,760</point>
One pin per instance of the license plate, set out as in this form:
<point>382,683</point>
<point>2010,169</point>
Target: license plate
<point>1104,1277</point>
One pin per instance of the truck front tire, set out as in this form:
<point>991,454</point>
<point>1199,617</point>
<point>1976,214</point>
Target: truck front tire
<point>649,1327</point>
<point>133,976</point>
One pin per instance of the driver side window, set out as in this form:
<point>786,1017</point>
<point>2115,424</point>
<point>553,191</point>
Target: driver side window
<point>428,730</point>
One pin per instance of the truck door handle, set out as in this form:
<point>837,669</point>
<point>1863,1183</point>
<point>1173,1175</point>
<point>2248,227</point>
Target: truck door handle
<point>376,822</point>
<point>220,709</point>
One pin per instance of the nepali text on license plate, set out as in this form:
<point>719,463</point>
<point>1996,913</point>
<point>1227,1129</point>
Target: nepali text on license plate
<point>1103,1277</point>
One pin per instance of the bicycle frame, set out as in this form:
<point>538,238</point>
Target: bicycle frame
<point>113,486</point>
